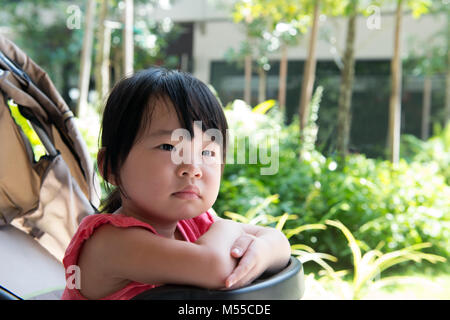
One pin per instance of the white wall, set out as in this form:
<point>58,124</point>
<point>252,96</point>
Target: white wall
<point>213,38</point>
<point>192,10</point>
<point>214,33</point>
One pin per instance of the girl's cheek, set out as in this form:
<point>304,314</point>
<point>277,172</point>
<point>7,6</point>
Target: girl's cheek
<point>212,175</point>
<point>210,169</point>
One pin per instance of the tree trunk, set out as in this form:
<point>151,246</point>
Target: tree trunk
<point>248,79</point>
<point>128,43</point>
<point>66,72</point>
<point>102,57</point>
<point>261,85</point>
<point>309,70</point>
<point>85,64</point>
<point>118,64</point>
<point>426,107</point>
<point>283,78</point>
<point>395,99</point>
<point>346,89</point>
<point>447,76</point>
<point>447,91</point>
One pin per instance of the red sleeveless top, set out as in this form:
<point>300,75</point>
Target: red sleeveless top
<point>191,229</point>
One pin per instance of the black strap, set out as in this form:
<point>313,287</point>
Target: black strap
<point>15,69</point>
<point>5,294</point>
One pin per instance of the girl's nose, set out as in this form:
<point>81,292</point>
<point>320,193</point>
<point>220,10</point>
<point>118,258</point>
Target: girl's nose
<point>190,170</point>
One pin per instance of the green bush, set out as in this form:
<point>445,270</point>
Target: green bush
<point>401,205</point>
<point>436,149</point>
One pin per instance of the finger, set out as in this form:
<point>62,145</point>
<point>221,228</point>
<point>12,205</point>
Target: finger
<point>246,280</point>
<point>249,278</point>
<point>241,245</point>
<point>245,265</point>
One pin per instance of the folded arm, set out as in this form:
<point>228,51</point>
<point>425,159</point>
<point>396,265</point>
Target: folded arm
<point>138,255</point>
<point>134,254</point>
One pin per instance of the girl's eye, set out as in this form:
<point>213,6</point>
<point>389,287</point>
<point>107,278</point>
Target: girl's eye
<point>209,153</point>
<point>167,147</point>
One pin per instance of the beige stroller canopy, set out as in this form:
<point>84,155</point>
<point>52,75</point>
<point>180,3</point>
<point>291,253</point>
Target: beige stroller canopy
<point>45,197</point>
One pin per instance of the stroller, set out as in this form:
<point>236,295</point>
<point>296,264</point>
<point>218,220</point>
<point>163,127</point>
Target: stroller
<point>42,201</point>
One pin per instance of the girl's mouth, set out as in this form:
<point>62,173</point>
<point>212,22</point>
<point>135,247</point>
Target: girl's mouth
<point>190,192</point>
<point>187,195</point>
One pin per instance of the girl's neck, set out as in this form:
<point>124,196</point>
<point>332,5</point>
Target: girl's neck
<point>167,230</point>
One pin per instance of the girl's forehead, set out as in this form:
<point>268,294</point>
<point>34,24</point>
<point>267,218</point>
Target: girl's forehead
<point>163,116</point>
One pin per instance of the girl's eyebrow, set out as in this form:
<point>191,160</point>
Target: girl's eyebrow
<point>161,132</point>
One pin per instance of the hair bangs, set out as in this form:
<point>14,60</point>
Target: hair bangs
<point>194,101</point>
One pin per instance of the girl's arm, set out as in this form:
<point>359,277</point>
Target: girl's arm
<point>260,249</point>
<point>138,255</point>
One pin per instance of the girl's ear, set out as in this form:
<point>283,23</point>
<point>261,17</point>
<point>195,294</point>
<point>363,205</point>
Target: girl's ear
<point>101,163</point>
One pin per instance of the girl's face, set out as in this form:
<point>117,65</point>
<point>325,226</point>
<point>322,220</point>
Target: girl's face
<point>152,181</point>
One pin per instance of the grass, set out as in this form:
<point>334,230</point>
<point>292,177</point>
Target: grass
<point>419,287</point>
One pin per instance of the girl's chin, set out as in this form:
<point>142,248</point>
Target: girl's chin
<point>188,212</point>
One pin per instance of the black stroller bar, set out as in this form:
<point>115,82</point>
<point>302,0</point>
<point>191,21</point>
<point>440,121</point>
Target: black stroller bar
<point>11,65</point>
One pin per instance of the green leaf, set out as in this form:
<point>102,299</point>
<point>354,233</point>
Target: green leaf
<point>236,216</point>
<point>38,148</point>
<point>263,107</point>
<point>253,211</point>
<point>356,251</point>
<point>281,222</point>
<point>291,232</point>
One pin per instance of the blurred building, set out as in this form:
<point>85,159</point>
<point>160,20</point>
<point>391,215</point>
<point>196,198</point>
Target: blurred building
<point>207,32</point>
<point>210,32</point>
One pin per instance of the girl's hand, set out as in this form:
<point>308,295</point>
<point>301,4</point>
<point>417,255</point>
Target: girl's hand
<point>257,249</point>
<point>253,253</point>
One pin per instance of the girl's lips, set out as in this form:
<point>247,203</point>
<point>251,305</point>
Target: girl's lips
<point>187,195</point>
<point>189,192</point>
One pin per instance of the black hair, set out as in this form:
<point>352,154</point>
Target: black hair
<point>129,108</point>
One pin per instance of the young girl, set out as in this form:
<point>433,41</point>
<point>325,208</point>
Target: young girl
<point>158,226</point>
